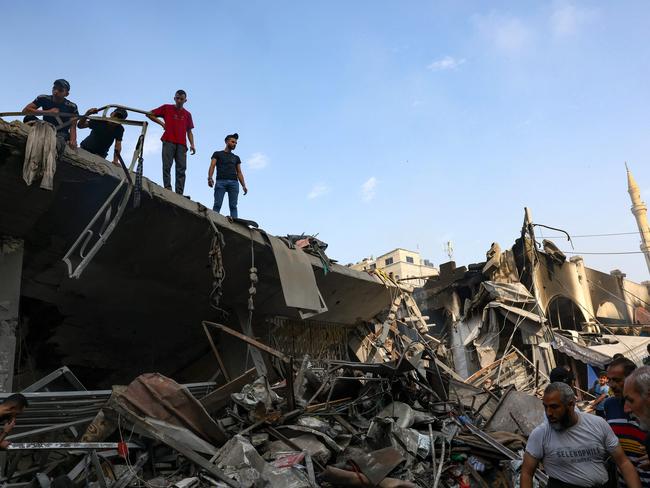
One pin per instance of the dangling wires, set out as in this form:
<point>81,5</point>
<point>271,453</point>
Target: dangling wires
<point>254,279</point>
<point>215,257</point>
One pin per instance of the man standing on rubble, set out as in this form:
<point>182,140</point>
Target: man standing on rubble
<point>229,172</point>
<point>178,124</point>
<point>49,106</point>
<point>13,406</point>
<point>103,133</point>
<point>573,446</point>
<point>627,429</point>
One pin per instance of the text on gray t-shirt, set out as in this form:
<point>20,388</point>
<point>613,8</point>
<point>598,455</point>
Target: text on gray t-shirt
<point>575,455</point>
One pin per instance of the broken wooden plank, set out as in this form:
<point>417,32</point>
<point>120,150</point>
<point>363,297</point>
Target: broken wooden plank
<point>221,396</point>
<point>490,367</point>
<point>448,370</point>
<point>222,366</point>
<point>249,340</point>
<point>347,425</point>
<point>245,318</point>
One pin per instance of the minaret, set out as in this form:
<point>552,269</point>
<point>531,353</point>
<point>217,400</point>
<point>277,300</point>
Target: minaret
<point>640,211</point>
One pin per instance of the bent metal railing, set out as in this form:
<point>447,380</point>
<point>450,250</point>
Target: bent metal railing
<point>100,227</point>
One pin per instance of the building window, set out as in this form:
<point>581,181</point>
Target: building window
<point>388,261</point>
<point>373,266</point>
<point>409,259</point>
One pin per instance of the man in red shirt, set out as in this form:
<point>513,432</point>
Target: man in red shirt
<point>177,123</point>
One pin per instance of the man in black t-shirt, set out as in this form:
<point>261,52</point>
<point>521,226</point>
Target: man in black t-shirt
<point>228,167</point>
<point>103,133</point>
<point>49,106</point>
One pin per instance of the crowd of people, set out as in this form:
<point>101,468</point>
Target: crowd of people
<point>177,126</point>
<point>608,447</point>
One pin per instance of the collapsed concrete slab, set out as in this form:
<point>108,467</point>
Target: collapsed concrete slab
<point>139,303</point>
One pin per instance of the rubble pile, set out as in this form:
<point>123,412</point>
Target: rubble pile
<point>390,415</point>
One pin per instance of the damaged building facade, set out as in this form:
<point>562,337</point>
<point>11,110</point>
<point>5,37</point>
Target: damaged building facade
<point>136,283</point>
<point>107,277</point>
<point>161,344</point>
<point>536,308</point>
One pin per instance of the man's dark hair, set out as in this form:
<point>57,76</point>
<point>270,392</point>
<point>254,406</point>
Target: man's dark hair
<point>234,136</point>
<point>561,375</point>
<point>181,92</point>
<point>16,399</point>
<point>628,365</point>
<point>617,355</point>
<point>62,83</point>
<point>120,113</point>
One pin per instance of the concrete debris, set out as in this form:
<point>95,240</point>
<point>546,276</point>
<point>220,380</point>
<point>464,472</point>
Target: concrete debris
<point>312,374</point>
<point>258,392</point>
<point>388,422</point>
<point>307,443</point>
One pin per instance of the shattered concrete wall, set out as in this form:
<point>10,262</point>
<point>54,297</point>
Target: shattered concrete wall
<point>139,304</point>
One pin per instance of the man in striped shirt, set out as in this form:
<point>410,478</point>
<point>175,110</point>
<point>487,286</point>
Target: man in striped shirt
<point>626,428</point>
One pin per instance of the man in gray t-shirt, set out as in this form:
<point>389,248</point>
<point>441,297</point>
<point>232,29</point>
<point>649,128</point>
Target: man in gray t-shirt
<point>573,446</point>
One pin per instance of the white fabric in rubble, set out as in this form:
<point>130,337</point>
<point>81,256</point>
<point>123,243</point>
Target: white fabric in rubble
<point>256,392</point>
<point>40,154</point>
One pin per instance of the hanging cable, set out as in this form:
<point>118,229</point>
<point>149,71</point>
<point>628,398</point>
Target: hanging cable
<point>603,253</point>
<point>568,237</point>
<point>635,296</point>
<point>611,234</point>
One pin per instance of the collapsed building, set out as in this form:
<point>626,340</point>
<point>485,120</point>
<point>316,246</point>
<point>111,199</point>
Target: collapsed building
<point>146,277</point>
<point>532,306</point>
<point>161,344</point>
<point>106,276</point>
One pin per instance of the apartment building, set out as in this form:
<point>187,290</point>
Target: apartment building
<point>402,264</point>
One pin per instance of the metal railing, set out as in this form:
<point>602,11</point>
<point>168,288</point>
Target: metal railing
<point>103,223</point>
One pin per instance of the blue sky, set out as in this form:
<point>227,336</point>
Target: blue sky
<point>377,124</point>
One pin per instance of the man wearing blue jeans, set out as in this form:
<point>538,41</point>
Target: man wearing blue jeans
<point>229,175</point>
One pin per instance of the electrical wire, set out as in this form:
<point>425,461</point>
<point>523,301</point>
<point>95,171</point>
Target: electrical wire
<point>616,296</point>
<point>637,297</point>
<point>608,292</point>
<point>508,344</point>
<point>130,467</point>
<point>593,235</point>
<point>603,253</point>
